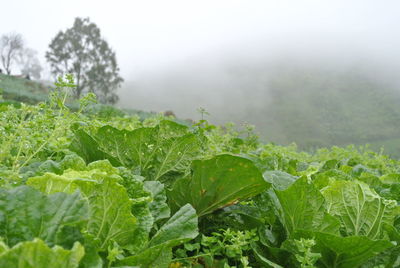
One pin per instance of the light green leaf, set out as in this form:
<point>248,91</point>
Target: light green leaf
<point>3,247</point>
<point>302,206</point>
<point>26,213</point>
<point>36,254</point>
<point>361,210</point>
<point>110,212</point>
<point>216,183</point>
<point>156,257</point>
<point>155,151</point>
<point>109,205</point>
<point>280,180</point>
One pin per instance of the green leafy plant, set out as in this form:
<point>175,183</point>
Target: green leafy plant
<point>86,187</point>
<point>306,257</point>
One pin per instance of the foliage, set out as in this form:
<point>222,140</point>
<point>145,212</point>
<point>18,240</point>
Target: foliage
<point>32,254</point>
<point>81,50</point>
<point>103,189</point>
<point>306,258</point>
<point>228,246</point>
<point>221,181</point>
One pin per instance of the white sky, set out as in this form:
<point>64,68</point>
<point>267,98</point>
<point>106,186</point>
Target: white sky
<point>150,34</point>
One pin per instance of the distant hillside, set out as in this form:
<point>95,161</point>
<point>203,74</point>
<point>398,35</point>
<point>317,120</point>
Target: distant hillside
<point>23,90</point>
<point>19,89</point>
<point>314,103</point>
<point>320,109</point>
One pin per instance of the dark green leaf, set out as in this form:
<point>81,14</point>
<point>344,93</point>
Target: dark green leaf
<point>158,207</point>
<point>216,183</point>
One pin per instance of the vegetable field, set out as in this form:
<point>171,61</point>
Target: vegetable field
<point>81,189</point>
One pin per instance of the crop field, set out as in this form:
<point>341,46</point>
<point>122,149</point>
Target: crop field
<point>106,189</point>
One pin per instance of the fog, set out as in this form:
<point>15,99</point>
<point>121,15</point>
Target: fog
<point>236,85</point>
<point>234,58</point>
<point>233,83</point>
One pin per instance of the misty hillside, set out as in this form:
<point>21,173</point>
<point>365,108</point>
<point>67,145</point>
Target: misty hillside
<point>314,108</point>
<point>314,104</point>
<point>23,90</point>
<point>16,90</point>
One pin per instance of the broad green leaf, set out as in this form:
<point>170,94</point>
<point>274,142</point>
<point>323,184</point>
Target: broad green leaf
<point>216,183</point>
<point>26,213</point>
<point>361,210</point>
<point>177,154</point>
<point>302,206</point>
<point>392,192</point>
<point>390,178</point>
<point>330,164</point>
<point>3,247</point>
<point>86,147</point>
<point>92,258</point>
<point>263,259</point>
<point>389,257</point>
<point>345,252</point>
<point>111,218</point>
<point>155,151</point>
<point>180,228</point>
<point>36,254</point>
<point>272,256</point>
<point>121,143</point>
<point>323,179</point>
<point>280,180</point>
<point>156,257</point>
<point>145,223</point>
<point>141,200</point>
<point>110,212</point>
<point>52,183</point>
<point>158,207</point>
<point>70,161</point>
<point>244,216</point>
<point>139,197</point>
<point>169,129</point>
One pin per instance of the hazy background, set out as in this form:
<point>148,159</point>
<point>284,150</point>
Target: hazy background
<point>314,72</point>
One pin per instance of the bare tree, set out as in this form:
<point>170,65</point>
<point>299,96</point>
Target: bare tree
<point>10,46</point>
<point>30,64</point>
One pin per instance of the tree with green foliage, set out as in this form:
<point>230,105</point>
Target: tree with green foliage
<point>81,50</point>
